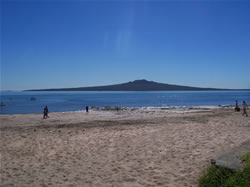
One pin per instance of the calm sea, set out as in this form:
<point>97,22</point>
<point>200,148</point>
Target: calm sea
<point>21,103</point>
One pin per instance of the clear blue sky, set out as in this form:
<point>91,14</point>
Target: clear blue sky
<point>54,44</point>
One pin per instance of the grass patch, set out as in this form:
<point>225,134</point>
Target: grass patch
<point>222,177</point>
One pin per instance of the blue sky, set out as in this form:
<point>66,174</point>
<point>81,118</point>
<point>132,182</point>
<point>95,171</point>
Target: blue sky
<point>52,44</point>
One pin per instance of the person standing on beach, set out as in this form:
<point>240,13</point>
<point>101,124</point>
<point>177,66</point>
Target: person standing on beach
<point>244,106</point>
<point>117,108</point>
<point>87,109</point>
<point>45,112</point>
<point>237,108</point>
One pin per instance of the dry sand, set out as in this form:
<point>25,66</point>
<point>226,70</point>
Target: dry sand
<point>138,147</point>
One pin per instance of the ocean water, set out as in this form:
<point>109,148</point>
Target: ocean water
<point>21,103</point>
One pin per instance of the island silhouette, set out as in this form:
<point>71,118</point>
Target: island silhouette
<point>137,85</point>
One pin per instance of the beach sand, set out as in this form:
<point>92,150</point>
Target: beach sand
<point>135,147</point>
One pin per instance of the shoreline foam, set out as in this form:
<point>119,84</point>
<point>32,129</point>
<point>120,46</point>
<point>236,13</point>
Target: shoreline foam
<point>122,108</point>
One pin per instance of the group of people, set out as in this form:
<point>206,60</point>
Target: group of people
<point>244,108</point>
<point>236,109</point>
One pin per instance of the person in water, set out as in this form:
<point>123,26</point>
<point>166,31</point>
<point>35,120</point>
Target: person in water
<point>244,107</point>
<point>237,108</point>
<point>45,112</point>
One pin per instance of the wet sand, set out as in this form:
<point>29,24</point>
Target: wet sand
<point>137,147</point>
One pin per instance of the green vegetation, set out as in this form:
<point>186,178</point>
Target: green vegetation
<point>222,177</point>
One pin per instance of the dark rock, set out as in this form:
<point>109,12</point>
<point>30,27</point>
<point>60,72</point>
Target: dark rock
<point>231,159</point>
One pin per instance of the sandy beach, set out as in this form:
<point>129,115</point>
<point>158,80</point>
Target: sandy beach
<point>132,147</point>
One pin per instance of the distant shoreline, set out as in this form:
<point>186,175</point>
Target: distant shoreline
<point>58,90</point>
<point>27,91</point>
<point>169,109</point>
